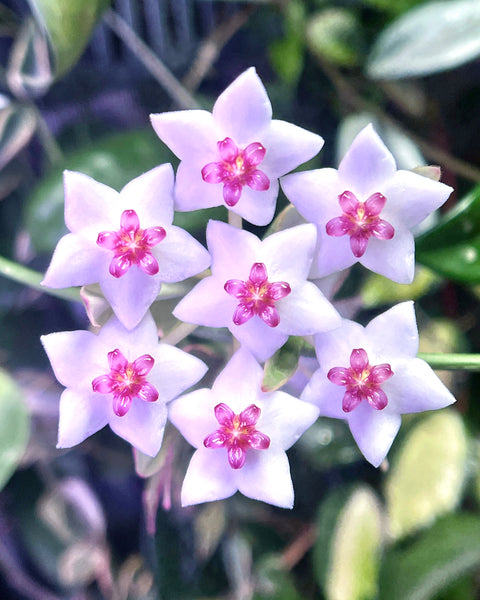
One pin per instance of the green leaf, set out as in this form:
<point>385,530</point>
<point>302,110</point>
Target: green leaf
<point>378,290</point>
<point>287,54</point>
<point>69,25</point>
<point>347,550</point>
<point>452,247</point>
<point>334,35</point>
<point>428,39</point>
<point>273,581</point>
<point>449,550</point>
<point>426,477</point>
<point>282,365</point>
<point>14,427</point>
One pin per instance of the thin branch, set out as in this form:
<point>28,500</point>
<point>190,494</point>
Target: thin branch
<point>451,362</point>
<point>150,61</point>
<point>210,49</point>
<point>294,552</point>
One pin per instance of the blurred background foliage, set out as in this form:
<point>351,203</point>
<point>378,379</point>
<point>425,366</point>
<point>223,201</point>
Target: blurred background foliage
<point>78,80</point>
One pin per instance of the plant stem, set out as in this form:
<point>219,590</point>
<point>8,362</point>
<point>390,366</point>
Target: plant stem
<point>31,278</point>
<point>452,362</point>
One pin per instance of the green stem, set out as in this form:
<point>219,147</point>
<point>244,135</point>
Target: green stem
<point>32,278</point>
<point>452,362</point>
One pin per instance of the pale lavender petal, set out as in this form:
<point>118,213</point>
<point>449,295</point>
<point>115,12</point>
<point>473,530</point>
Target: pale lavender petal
<point>233,250</point>
<point>415,387</point>
<point>81,414</point>
<point>243,110</point>
<point>89,205</point>
<point>76,261</point>
<point>151,194</point>
<point>193,415</point>
<point>209,477</point>
<point>306,311</point>
<point>374,431</point>
<point>207,304</point>
<point>191,191</point>
<point>174,371</point>
<point>258,207</point>
<point>266,477</point>
<point>334,254</point>
<point>288,254</point>
<point>393,258</point>
<point>143,337</point>
<point>285,418</point>
<point>224,414</point>
<point>397,323</point>
<point>411,197</point>
<point>334,347</point>
<point>232,192</point>
<point>325,395</point>
<point>259,338</point>
<point>187,132</point>
<point>239,381</point>
<point>142,426</point>
<point>288,146</point>
<point>314,194</point>
<point>367,165</point>
<point>359,359</point>
<point>180,256</point>
<point>73,356</point>
<point>258,181</point>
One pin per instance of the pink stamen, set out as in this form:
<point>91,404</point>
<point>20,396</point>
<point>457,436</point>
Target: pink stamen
<point>362,381</point>
<point>126,381</point>
<point>131,245</point>
<point>257,296</point>
<point>237,433</point>
<point>237,168</point>
<point>360,220</point>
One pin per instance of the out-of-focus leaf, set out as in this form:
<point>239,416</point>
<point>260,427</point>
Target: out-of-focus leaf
<point>273,581</point>
<point>348,546</point>
<point>286,55</point>
<point>209,526</point>
<point>328,443</point>
<point>69,25</point>
<point>450,549</point>
<point>29,72</point>
<point>288,217</point>
<point>80,563</point>
<point>452,247</point>
<point>14,427</point>
<point>17,125</point>
<point>378,290</point>
<point>282,365</point>
<point>426,477</point>
<point>334,35</point>
<point>434,37</point>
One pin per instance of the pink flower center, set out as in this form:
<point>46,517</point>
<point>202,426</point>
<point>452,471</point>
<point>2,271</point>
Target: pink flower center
<point>360,220</point>
<point>131,245</point>
<point>237,168</point>
<point>363,382</point>
<point>237,433</point>
<point>257,296</point>
<point>126,381</point>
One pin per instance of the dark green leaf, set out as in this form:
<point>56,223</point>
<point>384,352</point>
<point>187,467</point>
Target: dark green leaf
<point>282,365</point>
<point>447,551</point>
<point>69,25</point>
<point>431,38</point>
<point>286,55</point>
<point>334,35</point>
<point>273,581</point>
<point>14,426</point>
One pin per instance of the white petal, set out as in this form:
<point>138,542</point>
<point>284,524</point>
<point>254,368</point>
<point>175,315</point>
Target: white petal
<point>73,356</point>
<point>411,197</point>
<point>81,414</point>
<point>414,387</point>
<point>76,261</point>
<point>393,258</point>
<point>151,196</point>
<point>143,339</point>
<point>193,415</point>
<point>233,250</point>
<point>207,304</point>
<point>209,477</point>
<point>239,384</point>
<point>288,254</point>
<point>262,341</point>
<point>367,165</point>
<point>374,431</point>
<point>142,426</point>
<point>334,254</point>
<point>187,132</point>
<point>288,146</point>
<point>324,394</point>
<point>243,111</point>
<point>131,295</point>
<point>397,323</point>
<point>334,348</point>
<point>180,256</point>
<point>257,207</point>
<point>191,192</point>
<point>306,311</point>
<point>88,203</point>
<point>314,194</point>
<point>266,476</point>
<point>174,371</point>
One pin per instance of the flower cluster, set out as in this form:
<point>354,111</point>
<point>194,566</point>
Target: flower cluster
<point>262,290</point>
